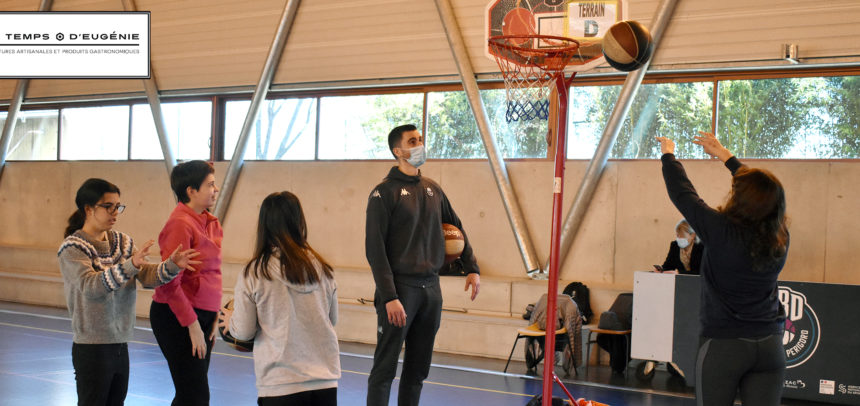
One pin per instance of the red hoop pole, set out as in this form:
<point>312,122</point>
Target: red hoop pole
<point>557,200</point>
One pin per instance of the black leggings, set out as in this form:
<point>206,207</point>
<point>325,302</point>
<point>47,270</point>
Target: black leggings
<point>189,373</point>
<point>756,366</point>
<point>101,373</point>
<point>319,397</point>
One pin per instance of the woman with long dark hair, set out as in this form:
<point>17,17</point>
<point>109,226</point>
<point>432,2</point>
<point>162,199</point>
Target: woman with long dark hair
<point>100,266</point>
<point>746,245</point>
<point>286,301</point>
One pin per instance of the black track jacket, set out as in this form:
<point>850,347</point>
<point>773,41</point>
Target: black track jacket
<point>403,240</point>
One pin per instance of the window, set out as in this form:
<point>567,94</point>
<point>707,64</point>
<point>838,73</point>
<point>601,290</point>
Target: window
<point>453,133</point>
<point>284,129</point>
<point>35,135</point>
<point>94,133</point>
<point>674,110</point>
<point>188,126</point>
<point>815,117</point>
<point>357,127</point>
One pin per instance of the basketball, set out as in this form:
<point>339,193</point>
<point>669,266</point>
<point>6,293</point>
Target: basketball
<point>627,45</point>
<point>519,21</point>
<point>238,345</point>
<point>454,242</point>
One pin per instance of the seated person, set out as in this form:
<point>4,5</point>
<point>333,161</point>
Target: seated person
<point>685,253</point>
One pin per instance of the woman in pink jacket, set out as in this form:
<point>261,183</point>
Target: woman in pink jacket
<point>183,311</point>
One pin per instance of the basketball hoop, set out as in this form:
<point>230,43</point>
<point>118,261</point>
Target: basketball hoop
<point>530,65</point>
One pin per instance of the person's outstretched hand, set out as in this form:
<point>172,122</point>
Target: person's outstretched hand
<point>711,145</point>
<point>184,259</point>
<point>667,146</point>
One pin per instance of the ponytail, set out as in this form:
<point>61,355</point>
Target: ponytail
<point>76,222</point>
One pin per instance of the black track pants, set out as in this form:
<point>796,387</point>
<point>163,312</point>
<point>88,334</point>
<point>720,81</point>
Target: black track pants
<point>423,307</point>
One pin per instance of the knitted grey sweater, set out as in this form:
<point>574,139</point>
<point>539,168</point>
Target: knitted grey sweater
<point>99,282</point>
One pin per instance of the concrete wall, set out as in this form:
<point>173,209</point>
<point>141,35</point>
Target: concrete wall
<point>627,228</point>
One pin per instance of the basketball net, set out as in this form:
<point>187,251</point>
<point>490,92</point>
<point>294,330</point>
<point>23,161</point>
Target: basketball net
<point>529,65</point>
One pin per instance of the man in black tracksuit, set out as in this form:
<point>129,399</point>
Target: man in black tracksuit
<point>405,247</point>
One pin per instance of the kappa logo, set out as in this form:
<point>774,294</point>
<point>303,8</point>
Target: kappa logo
<point>802,329</point>
<point>404,192</point>
<point>429,192</point>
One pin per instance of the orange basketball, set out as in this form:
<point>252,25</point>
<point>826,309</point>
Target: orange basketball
<point>519,21</point>
<point>454,242</point>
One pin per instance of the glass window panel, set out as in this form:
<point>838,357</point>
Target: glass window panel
<point>812,117</point>
<point>674,110</point>
<point>35,135</point>
<point>833,131</point>
<point>453,133</point>
<point>517,139</point>
<point>94,133</point>
<point>284,129</point>
<point>357,127</point>
<point>188,125</point>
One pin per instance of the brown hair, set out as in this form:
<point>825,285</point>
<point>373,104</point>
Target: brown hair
<point>281,231</point>
<point>757,202</point>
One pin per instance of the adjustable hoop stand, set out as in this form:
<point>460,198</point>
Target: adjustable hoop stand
<point>562,86</point>
<point>530,64</point>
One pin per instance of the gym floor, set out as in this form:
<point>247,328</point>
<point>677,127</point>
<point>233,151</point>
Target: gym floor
<point>36,369</point>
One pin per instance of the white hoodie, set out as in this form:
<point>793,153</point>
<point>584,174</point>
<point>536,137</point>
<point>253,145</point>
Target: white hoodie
<point>295,345</point>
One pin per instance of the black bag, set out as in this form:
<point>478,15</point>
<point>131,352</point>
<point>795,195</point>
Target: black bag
<point>538,401</point>
<point>530,308</point>
<point>455,268</point>
<point>618,317</point>
<point>579,292</point>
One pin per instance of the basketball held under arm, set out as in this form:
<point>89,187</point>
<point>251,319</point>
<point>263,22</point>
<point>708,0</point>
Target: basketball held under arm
<point>449,216</point>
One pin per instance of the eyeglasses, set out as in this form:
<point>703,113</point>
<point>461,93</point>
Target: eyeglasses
<point>112,208</point>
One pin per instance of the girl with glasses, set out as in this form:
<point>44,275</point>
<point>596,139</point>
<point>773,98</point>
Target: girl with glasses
<point>99,267</point>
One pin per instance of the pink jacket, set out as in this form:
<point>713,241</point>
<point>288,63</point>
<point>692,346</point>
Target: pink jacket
<point>190,290</point>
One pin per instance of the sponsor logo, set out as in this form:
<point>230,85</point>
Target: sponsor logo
<point>376,194</point>
<point>849,389</point>
<point>794,384</point>
<point>404,192</point>
<point>802,329</point>
<point>429,192</point>
<point>826,387</point>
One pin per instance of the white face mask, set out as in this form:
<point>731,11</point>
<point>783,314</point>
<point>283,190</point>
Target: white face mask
<point>682,242</point>
<point>417,156</point>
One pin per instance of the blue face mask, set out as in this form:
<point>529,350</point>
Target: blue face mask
<point>417,156</point>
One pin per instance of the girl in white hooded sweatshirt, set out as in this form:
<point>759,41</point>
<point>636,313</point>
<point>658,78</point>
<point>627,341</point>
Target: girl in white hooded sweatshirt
<point>286,301</point>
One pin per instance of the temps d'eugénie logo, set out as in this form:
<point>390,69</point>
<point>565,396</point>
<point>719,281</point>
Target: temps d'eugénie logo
<point>802,329</point>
